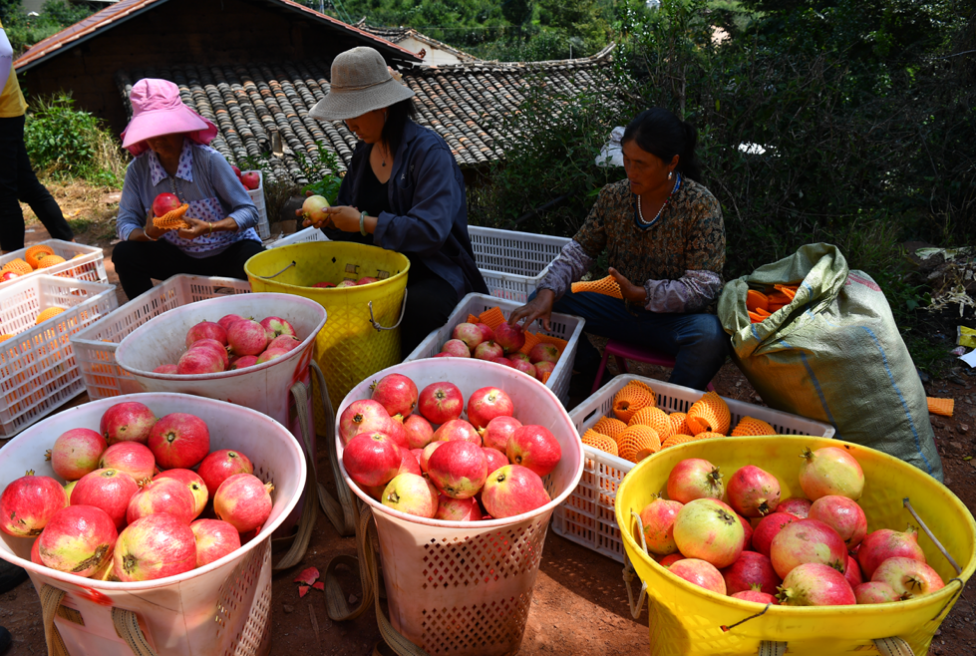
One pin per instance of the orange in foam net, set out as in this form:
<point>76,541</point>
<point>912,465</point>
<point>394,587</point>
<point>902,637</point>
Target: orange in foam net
<point>35,254</point>
<point>655,418</point>
<point>681,438</point>
<point>47,314</point>
<point>630,399</point>
<point>751,426</point>
<point>638,442</point>
<point>17,266</point>
<point>599,441</point>
<point>49,261</point>
<point>610,426</point>
<point>709,413</point>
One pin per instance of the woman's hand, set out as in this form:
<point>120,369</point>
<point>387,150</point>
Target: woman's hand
<point>539,307</point>
<point>631,292</point>
<point>197,228</point>
<point>344,217</point>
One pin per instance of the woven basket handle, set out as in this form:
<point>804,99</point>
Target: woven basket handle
<point>885,646</point>
<point>629,574</point>
<point>341,513</point>
<point>126,625</point>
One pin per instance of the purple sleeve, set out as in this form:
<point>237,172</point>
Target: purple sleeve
<point>692,292</point>
<point>566,269</point>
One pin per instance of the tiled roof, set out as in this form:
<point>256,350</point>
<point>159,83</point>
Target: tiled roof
<point>398,34</point>
<point>464,103</point>
<point>116,13</point>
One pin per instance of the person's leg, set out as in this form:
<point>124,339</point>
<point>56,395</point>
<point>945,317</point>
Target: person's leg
<point>605,316</point>
<point>138,262</point>
<point>11,216</point>
<point>230,262</point>
<point>430,302</point>
<point>698,343</point>
<point>32,192</point>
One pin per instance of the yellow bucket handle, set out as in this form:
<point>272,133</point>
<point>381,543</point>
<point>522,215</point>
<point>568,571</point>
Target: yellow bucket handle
<point>403,312</point>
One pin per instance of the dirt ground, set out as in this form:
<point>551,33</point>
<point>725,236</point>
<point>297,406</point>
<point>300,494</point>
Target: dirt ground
<point>579,604</point>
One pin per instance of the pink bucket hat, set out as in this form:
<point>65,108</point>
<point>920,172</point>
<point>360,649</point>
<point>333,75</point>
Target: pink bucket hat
<point>158,110</point>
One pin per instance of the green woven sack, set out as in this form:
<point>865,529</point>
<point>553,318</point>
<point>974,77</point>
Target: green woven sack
<point>833,354</point>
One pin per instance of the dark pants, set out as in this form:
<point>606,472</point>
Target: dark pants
<point>19,184</point>
<point>698,342</point>
<point>430,301</point>
<point>138,262</point>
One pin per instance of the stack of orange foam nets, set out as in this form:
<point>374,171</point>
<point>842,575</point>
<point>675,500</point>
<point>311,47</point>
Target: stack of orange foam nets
<point>762,305</point>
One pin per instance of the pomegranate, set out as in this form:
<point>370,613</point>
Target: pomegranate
<point>78,540</point>
<point>276,327</point>
<point>657,518</point>
<point>214,539</point>
<point>242,362</point>
<point>843,515</point>
<point>251,180</point>
<point>468,333</point>
<point>396,393</point>
<point>670,559</point>
<point>206,330</point>
<point>534,447</point>
<point>285,343</point>
<point>165,203</point>
<point>411,494</point>
<point>542,368</point>
<point>164,495</point>
<point>455,348</point>
<point>457,510</point>
<point>831,470</point>
<point>756,596</point>
<point>488,351</point>
<point>68,488</point>
<point>361,417</point>
<point>199,361</point>
<point>313,210</point>
<point>216,347</point>
<point>796,506</point>
<point>487,334</point>
<point>418,430</point>
<point>154,547</point>
<point>525,368</point>
<point>750,571</point>
<point>807,541</point>
<point>544,352</point>
<point>875,592</point>
<point>518,355</point>
<point>28,504</point>
<point>708,529</point>
<point>409,463</point>
<point>510,338</point>
<point>457,429</point>
<point>271,354</point>
<point>908,577</point>
<point>487,403</point>
<point>499,431</point>
<point>218,466</point>
<point>247,337</point>
<point>179,441</point>
<point>878,546</point>
<point>226,320</point>
<point>133,458</point>
<point>748,530</point>
<point>427,453</point>
<point>502,361</point>
<point>512,490</point>
<point>753,492</point>
<point>108,489</point>
<point>441,402</point>
<point>372,458</point>
<point>458,469</point>
<point>76,453</point>
<point>766,530</point>
<point>852,572</point>
<point>165,369</point>
<point>127,421</point>
<point>695,478</point>
<point>699,572</point>
<point>815,584</point>
<point>244,501</point>
<point>495,458</point>
<point>193,482</point>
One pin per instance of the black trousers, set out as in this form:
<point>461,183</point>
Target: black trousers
<point>19,184</point>
<point>430,301</point>
<point>138,262</point>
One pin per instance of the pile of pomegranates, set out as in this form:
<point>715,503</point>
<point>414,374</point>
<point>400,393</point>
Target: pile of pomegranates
<point>233,342</point>
<point>412,451</point>
<point>813,551</point>
<point>144,499</point>
<point>503,345</point>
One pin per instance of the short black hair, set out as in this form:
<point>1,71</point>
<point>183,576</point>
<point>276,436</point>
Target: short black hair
<point>397,116</point>
<point>664,135</point>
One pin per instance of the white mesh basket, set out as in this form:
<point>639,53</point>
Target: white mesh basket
<point>511,262</point>
<point>303,236</point>
<point>465,588</point>
<point>81,262</point>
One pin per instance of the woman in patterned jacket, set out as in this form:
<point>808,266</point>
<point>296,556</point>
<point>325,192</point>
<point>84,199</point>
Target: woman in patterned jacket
<point>169,141</point>
<point>665,241</point>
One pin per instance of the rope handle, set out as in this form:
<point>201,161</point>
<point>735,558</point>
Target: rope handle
<point>341,513</point>
<point>629,574</point>
<point>403,312</point>
<point>885,646</point>
<point>126,624</point>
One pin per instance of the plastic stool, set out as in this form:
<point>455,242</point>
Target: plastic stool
<point>623,352</point>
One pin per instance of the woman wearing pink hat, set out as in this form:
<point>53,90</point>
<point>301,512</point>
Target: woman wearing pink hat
<point>169,141</point>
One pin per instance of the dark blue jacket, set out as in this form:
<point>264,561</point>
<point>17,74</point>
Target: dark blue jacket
<point>430,213</point>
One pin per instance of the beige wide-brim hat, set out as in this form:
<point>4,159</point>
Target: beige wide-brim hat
<point>361,82</point>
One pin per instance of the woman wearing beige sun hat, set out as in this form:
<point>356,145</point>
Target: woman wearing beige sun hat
<point>403,192</point>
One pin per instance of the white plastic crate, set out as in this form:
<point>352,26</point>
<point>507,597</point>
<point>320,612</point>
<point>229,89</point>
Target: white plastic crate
<point>257,197</point>
<point>95,346</point>
<point>564,326</point>
<point>303,236</point>
<point>38,367</point>
<point>89,266</point>
<point>512,263</point>
<point>587,516</point>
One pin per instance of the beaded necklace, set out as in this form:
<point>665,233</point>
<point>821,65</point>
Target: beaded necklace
<point>640,214</point>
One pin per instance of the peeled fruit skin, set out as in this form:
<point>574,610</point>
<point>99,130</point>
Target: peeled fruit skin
<point>843,515</point>
<point>441,402</point>
<point>880,545</point>
<point>194,482</point>
<point>796,506</point>
<point>534,447</point>
<point>361,416</point>
<point>165,495</point>
<point>458,469</point>
<point>76,453</point>
<point>753,492</point>
<point>411,494</point>
<point>457,510</point>
<point>709,530</point>
<point>767,529</point>
<point>499,431</point>
<point>513,490</point>
<point>214,539</point>
<point>807,541</point>
<point>695,478</point>
<point>179,441</point>
<point>243,501</point>
<point>487,403</point>
<point>907,576</point>
<point>419,431</point>
<point>657,517</point>
<point>875,592</point>
<point>372,458</point>
<point>220,465</point>
<point>77,539</point>
<point>29,503</point>
<point>699,572</point>
<point>815,584</point>
<point>154,547</point>
<point>831,470</point>
<point>133,458</point>
<point>397,394</point>
<point>108,489</point>
<point>127,421</point>
<point>751,571</point>
<point>457,429</point>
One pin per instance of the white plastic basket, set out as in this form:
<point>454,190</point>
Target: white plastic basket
<point>564,326</point>
<point>89,265</point>
<point>95,346</point>
<point>221,609</point>
<point>587,517</point>
<point>257,197</point>
<point>465,588</point>
<point>305,235</point>
<point>38,367</point>
<point>511,262</point>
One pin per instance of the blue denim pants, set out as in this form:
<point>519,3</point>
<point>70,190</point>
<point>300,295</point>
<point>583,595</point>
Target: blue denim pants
<point>698,342</point>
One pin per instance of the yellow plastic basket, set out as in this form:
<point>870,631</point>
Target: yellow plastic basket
<point>350,347</point>
<point>687,620</point>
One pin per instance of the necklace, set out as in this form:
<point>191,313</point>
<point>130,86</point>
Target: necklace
<point>640,214</point>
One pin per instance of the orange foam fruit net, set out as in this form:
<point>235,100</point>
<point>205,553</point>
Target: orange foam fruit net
<point>942,407</point>
<point>47,314</point>
<point>17,266</point>
<point>749,426</point>
<point>172,219</point>
<point>678,424</point>
<point>655,418</point>
<point>610,426</point>
<point>607,286</point>
<point>631,398</point>
<point>638,442</point>
<point>49,261</point>
<point>600,441</point>
<point>35,254</point>
<point>709,413</point>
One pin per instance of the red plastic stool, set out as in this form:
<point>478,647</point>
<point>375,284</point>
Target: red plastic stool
<point>623,352</point>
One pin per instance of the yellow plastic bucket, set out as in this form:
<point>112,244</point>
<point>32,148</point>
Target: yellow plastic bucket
<point>362,335</point>
<point>686,620</point>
